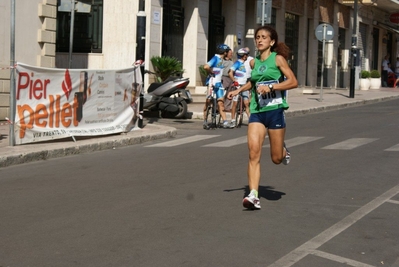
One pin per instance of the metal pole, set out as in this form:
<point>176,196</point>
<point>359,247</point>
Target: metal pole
<point>140,54</point>
<point>263,11</point>
<point>12,75</point>
<point>353,49</point>
<point>71,32</point>
<point>322,62</point>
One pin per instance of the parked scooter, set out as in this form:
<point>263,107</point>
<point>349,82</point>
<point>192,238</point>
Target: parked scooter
<point>170,97</point>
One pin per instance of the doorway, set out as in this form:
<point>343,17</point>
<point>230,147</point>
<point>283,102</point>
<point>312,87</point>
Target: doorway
<point>173,29</point>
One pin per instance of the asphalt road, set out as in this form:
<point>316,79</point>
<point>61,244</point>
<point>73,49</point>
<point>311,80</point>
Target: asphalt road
<point>178,202</point>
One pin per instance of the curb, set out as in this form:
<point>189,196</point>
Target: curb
<point>338,106</point>
<point>24,154</point>
<point>293,113</point>
<point>14,155</point>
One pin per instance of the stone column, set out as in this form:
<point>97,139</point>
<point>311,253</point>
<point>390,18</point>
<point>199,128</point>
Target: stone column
<point>195,42</point>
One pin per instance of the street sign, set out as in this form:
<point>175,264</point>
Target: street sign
<point>394,18</point>
<point>324,32</point>
<point>80,7</point>
<point>264,12</point>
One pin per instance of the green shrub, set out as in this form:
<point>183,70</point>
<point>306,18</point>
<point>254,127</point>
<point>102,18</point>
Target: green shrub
<point>375,74</point>
<point>165,67</point>
<point>202,71</point>
<point>365,74</point>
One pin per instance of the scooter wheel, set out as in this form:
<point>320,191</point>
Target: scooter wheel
<point>182,110</point>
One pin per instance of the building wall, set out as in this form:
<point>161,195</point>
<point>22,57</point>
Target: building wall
<point>234,13</point>
<point>250,24</point>
<point>196,24</point>
<point>4,58</point>
<point>36,34</point>
<point>119,39</point>
<point>119,29</point>
<point>35,27</point>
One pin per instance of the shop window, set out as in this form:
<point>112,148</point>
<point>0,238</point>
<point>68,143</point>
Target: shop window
<point>291,39</point>
<point>361,44</point>
<point>88,30</point>
<point>216,27</point>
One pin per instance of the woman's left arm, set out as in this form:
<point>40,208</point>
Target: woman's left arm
<point>290,81</point>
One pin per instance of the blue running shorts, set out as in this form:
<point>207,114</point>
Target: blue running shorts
<point>219,90</point>
<point>273,119</point>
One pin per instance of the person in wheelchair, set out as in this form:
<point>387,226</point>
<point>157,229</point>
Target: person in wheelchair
<point>391,82</point>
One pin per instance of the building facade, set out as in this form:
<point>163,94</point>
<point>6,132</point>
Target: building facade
<point>105,34</point>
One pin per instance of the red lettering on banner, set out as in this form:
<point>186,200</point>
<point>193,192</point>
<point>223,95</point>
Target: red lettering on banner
<point>52,117</point>
<point>37,88</point>
<point>41,114</point>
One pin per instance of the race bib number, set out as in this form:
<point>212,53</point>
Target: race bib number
<point>269,99</point>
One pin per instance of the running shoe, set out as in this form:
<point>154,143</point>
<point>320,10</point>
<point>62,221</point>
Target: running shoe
<point>251,202</point>
<point>226,125</point>
<point>287,158</point>
<point>232,124</point>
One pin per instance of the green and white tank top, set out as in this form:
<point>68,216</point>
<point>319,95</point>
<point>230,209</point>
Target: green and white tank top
<point>266,72</point>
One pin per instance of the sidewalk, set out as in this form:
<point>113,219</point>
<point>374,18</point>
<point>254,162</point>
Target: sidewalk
<point>299,102</point>
<point>303,101</point>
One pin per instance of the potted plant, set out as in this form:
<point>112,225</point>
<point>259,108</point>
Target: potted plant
<point>375,79</point>
<point>364,82</point>
<point>164,67</point>
<point>203,74</point>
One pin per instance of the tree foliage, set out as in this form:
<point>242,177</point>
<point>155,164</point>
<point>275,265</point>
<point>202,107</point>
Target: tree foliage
<point>164,67</point>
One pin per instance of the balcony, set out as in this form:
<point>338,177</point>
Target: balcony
<point>363,2</point>
<point>385,5</point>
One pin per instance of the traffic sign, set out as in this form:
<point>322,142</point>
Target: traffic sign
<point>324,32</point>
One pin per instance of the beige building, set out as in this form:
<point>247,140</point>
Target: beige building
<point>105,38</point>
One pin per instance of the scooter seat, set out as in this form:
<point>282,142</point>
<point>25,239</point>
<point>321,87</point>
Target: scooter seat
<point>154,86</point>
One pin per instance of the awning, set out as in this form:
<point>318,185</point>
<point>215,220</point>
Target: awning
<point>387,27</point>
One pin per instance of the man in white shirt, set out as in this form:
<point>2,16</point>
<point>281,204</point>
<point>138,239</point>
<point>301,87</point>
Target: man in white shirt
<point>384,72</point>
<point>246,63</point>
<point>397,67</point>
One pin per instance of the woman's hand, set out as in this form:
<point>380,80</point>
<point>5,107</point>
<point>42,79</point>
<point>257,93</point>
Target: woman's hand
<point>263,89</point>
<point>232,94</point>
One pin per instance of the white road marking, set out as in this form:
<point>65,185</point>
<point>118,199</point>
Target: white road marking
<point>296,141</point>
<point>300,140</point>
<point>351,143</point>
<point>394,148</point>
<point>310,246</point>
<point>340,259</point>
<point>393,201</point>
<point>229,143</point>
<point>183,141</point>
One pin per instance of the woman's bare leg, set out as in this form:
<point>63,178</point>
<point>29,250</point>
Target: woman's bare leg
<point>256,136</point>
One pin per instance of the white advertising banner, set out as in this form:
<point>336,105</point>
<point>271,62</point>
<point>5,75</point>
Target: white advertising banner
<point>59,103</point>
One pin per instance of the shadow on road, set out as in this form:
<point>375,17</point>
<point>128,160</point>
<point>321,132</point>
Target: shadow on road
<point>266,192</point>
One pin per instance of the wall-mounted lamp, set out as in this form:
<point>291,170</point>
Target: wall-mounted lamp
<point>384,38</point>
<point>368,2</point>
